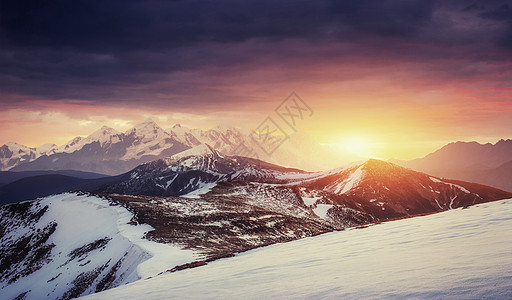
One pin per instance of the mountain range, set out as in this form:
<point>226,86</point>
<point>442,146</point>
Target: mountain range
<point>380,189</point>
<point>489,164</point>
<point>190,208</point>
<point>107,151</point>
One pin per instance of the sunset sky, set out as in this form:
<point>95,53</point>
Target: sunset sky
<point>385,78</point>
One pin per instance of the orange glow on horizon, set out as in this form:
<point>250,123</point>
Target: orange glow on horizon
<point>372,116</point>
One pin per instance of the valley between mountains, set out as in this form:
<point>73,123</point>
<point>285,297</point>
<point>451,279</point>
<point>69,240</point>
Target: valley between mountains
<point>196,206</point>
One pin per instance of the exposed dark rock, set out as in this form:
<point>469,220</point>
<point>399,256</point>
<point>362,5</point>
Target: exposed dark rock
<point>85,249</point>
<point>82,282</point>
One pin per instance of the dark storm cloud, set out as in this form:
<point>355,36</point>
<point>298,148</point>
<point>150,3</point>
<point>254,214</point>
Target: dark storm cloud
<point>502,13</point>
<point>117,25</point>
<point>115,50</point>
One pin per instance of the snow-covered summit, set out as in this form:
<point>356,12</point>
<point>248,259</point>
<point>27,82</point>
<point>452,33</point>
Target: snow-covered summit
<point>147,131</point>
<point>12,154</point>
<point>147,139</point>
<point>103,131</point>
<point>103,135</point>
<point>71,146</point>
<point>185,135</point>
<point>199,150</point>
<point>19,149</point>
<point>46,149</point>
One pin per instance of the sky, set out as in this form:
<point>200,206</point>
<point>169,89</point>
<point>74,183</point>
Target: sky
<point>387,79</point>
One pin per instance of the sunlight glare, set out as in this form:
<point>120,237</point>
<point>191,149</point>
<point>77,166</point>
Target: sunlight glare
<point>358,145</point>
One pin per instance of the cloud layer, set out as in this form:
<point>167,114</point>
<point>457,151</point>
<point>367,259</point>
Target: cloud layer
<point>216,56</point>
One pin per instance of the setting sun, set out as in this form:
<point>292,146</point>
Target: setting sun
<point>359,146</point>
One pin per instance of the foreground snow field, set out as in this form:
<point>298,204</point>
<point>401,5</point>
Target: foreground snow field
<point>76,245</point>
<point>458,254</point>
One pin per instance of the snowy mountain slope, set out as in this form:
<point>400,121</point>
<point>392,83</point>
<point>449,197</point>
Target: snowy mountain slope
<point>230,218</point>
<point>192,169</point>
<point>357,194</point>
<point>104,135</point>
<point>380,189</point>
<point>222,138</point>
<point>250,204</point>
<point>73,244</point>
<point>147,139</point>
<point>185,135</point>
<point>12,154</point>
<point>69,245</point>
<point>385,190</point>
<point>300,201</point>
<point>459,254</point>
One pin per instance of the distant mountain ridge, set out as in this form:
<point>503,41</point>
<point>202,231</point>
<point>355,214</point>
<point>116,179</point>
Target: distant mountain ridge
<point>489,164</point>
<point>110,152</point>
<point>382,189</point>
<point>7,177</point>
<point>194,169</point>
<point>465,154</point>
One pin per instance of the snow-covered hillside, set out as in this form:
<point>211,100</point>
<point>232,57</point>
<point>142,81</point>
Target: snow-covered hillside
<point>193,169</point>
<point>458,254</point>
<point>69,245</point>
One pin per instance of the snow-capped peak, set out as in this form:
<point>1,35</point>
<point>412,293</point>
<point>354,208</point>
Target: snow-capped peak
<point>103,135</point>
<point>178,129</point>
<point>71,146</point>
<point>148,139</point>
<point>46,149</point>
<point>147,130</point>
<point>199,150</point>
<point>19,151</point>
<point>102,132</point>
<point>148,123</point>
<point>346,178</point>
<point>185,135</point>
<point>16,146</point>
<point>223,128</point>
